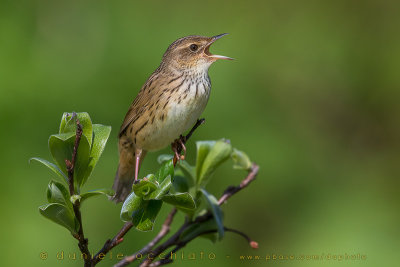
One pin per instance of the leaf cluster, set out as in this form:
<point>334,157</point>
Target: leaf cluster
<point>184,187</point>
<point>59,208</point>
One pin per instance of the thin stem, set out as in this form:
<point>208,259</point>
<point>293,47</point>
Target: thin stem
<point>180,245</point>
<point>198,123</point>
<point>252,243</point>
<point>184,139</point>
<point>82,241</point>
<point>111,243</point>
<point>173,240</point>
<point>71,164</point>
<point>230,191</point>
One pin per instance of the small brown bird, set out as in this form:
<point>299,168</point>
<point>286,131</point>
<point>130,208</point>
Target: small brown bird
<point>168,104</point>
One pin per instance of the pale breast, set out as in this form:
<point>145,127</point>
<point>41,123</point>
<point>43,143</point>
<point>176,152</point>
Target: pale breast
<point>179,113</point>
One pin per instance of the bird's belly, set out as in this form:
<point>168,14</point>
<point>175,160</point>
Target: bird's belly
<point>179,117</point>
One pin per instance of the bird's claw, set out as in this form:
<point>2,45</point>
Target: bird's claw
<point>182,141</point>
<point>177,146</point>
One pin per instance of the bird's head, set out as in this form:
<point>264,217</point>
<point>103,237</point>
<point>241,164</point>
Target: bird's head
<point>192,52</point>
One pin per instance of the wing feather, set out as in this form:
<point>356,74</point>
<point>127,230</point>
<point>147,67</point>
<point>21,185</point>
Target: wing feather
<point>141,102</point>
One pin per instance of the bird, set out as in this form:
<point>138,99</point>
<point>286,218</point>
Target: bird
<point>167,105</point>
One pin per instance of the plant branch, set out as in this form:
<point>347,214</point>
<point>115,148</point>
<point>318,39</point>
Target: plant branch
<point>71,164</point>
<point>180,143</point>
<point>111,243</point>
<point>174,240</point>
<point>230,191</point>
<point>146,249</point>
<point>82,241</point>
<point>180,245</point>
<point>198,123</point>
<point>252,243</point>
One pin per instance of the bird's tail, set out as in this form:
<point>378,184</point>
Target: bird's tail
<point>123,182</point>
<point>125,174</point>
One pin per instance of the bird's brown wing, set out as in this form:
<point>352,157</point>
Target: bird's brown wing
<point>141,102</point>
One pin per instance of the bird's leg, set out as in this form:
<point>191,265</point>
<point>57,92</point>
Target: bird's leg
<point>138,153</point>
<point>174,147</point>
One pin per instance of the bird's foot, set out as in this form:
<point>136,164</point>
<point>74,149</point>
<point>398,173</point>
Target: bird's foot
<point>182,141</point>
<point>177,146</point>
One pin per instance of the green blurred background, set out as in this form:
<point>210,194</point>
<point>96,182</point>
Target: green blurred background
<point>312,97</point>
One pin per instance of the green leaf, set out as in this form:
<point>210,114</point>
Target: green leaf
<point>161,190</point>
<point>216,211</point>
<point>61,148</point>
<point>100,137</point>
<point>52,167</point>
<point>199,199</point>
<point>203,148</point>
<point>141,212</point>
<point>164,157</point>
<point>145,221</point>
<point>152,178</point>
<point>61,215</point>
<point>200,229</point>
<point>96,136</point>
<point>217,155</point>
<point>82,161</point>
<point>181,183</point>
<point>241,160</point>
<point>131,203</point>
<point>213,237</point>
<point>66,117</point>
<point>144,187</point>
<point>58,193</point>
<point>105,191</point>
<point>183,201</point>
<point>188,169</point>
<point>167,168</point>
<point>75,198</point>
<point>68,124</point>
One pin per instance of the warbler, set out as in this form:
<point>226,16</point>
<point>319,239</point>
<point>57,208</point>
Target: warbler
<point>168,104</point>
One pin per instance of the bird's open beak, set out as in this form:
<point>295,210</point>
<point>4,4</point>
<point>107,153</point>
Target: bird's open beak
<point>207,49</point>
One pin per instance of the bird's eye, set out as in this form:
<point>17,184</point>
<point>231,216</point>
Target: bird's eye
<point>194,47</point>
